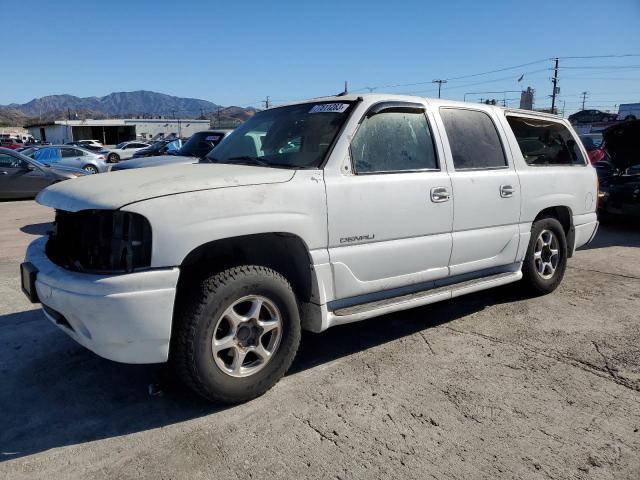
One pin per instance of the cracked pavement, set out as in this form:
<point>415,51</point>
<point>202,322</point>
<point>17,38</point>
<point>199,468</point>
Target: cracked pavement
<point>491,385</point>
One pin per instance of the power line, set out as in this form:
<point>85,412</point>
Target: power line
<point>602,56</point>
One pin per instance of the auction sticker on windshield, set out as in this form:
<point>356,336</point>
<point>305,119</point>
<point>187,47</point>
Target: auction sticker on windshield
<point>329,108</point>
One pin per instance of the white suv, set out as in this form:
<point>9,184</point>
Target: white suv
<point>308,216</point>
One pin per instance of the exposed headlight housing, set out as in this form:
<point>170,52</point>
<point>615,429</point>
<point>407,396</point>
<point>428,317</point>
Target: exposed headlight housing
<point>100,241</point>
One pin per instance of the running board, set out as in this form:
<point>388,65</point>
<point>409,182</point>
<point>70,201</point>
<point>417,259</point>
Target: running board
<point>417,299</point>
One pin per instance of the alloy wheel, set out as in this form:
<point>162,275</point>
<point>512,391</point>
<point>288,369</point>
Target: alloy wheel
<point>546,254</point>
<point>246,336</point>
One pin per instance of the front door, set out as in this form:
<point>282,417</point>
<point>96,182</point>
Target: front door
<point>18,179</point>
<point>390,212</point>
<point>486,192</point>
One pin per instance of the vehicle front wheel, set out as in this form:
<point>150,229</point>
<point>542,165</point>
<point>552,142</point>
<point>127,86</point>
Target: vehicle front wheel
<point>113,158</point>
<point>237,334</point>
<point>92,169</point>
<point>546,259</point>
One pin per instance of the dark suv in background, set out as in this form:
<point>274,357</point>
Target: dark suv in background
<point>592,116</point>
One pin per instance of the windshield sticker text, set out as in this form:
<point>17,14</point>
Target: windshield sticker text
<point>329,108</point>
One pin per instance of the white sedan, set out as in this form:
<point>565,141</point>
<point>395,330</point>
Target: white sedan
<point>124,150</point>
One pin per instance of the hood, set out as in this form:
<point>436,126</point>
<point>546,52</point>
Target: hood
<point>153,162</point>
<point>110,191</point>
<point>622,143</point>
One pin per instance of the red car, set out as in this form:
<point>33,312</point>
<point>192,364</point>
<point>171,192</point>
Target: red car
<point>10,143</point>
<point>593,145</point>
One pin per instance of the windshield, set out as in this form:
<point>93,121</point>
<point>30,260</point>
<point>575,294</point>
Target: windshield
<point>296,136</point>
<point>200,144</point>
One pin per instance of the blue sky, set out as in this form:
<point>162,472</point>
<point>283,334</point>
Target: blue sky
<point>237,53</point>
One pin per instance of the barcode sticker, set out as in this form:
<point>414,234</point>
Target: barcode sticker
<point>329,108</point>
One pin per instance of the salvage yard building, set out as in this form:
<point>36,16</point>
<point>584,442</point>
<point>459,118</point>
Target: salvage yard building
<point>114,131</point>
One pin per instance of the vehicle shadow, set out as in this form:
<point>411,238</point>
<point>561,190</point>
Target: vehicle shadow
<point>55,393</point>
<point>615,233</point>
<point>36,228</point>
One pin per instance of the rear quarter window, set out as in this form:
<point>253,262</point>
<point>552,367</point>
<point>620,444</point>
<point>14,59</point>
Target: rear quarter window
<point>545,142</point>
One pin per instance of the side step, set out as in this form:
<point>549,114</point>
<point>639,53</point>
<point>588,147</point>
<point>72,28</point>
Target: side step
<point>411,300</point>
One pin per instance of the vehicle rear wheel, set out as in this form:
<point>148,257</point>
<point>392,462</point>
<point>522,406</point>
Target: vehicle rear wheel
<point>237,334</point>
<point>92,169</point>
<point>113,158</point>
<point>546,259</point>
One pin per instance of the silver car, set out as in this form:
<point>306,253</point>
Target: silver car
<point>70,156</point>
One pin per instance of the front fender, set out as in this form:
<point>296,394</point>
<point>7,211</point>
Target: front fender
<point>180,223</point>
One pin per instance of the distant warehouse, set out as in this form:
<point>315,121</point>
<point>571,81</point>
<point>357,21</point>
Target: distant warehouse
<point>114,131</point>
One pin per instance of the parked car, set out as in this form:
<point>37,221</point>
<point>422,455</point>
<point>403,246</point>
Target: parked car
<point>592,116</point>
<point>592,143</point>
<point>125,150</point>
<point>11,143</point>
<point>629,111</point>
<point>194,150</point>
<point>70,156</point>
<point>310,215</point>
<point>619,178</point>
<point>22,177</point>
<point>88,146</point>
<point>93,143</point>
<point>161,147</point>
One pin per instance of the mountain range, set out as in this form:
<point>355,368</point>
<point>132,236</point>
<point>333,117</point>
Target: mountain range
<point>117,104</point>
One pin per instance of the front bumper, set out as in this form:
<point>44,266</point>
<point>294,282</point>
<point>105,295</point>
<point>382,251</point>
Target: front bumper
<point>126,318</point>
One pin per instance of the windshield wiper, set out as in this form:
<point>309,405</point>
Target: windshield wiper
<point>251,160</point>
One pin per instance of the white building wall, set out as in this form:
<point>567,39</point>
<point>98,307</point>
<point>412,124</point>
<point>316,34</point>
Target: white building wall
<point>53,133</point>
<point>146,129</point>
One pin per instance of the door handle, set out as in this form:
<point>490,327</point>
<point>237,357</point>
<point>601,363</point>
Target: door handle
<point>440,194</point>
<point>506,191</point>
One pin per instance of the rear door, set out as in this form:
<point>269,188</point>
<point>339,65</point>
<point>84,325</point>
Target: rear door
<point>389,209</point>
<point>486,191</point>
<point>72,157</point>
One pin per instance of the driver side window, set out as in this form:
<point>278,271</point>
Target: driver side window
<point>393,141</point>
<point>9,161</point>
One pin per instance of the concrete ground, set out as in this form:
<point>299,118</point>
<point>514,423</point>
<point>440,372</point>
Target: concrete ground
<point>492,385</point>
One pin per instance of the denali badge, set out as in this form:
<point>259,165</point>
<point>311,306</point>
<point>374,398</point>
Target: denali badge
<point>357,238</point>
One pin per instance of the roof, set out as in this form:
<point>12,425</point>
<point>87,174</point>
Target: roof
<point>374,97</point>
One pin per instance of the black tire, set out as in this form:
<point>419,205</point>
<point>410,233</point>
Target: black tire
<point>196,319</point>
<point>532,280</point>
<point>113,158</point>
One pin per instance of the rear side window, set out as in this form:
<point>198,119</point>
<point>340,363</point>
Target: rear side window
<point>473,138</point>
<point>545,143</point>
<point>70,152</point>
<point>393,142</point>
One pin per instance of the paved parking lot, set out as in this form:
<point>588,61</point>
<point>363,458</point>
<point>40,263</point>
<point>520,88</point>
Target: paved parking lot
<point>492,385</point>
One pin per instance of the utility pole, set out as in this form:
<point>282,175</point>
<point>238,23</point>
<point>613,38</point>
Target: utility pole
<point>584,98</point>
<point>439,82</point>
<point>345,88</point>
<point>219,108</point>
<point>267,103</point>
<point>555,87</point>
